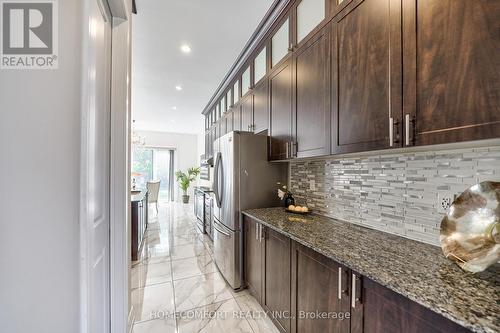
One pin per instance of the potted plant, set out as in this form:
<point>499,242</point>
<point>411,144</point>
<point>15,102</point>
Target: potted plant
<point>184,179</point>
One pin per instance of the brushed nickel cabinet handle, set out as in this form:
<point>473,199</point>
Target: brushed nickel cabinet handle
<point>391,131</point>
<point>353,291</point>
<point>339,294</point>
<point>287,149</point>
<point>407,130</point>
<point>257,231</point>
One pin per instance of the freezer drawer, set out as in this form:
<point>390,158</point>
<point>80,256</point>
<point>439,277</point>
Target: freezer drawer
<point>227,244</point>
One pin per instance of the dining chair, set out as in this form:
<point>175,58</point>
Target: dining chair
<point>153,192</point>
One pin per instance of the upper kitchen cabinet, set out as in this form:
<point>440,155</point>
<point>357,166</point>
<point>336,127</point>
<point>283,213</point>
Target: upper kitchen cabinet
<point>247,113</point>
<point>246,82</point>
<point>260,65</point>
<point>237,117</point>
<point>281,43</point>
<point>229,98</point>
<point>366,76</point>
<point>312,95</point>
<point>260,107</point>
<point>451,69</point>
<point>236,92</point>
<point>309,14</point>
<point>280,111</point>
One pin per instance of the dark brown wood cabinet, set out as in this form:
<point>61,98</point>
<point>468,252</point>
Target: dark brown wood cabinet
<point>316,289</point>
<point>372,75</point>
<point>247,112</point>
<point>366,76</point>
<point>277,278</point>
<point>451,69</point>
<point>312,96</point>
<point>380,310</point>
<point>254,257</point>
<point>280,109</point>
<point>237,117</point>
<point>260,107</point>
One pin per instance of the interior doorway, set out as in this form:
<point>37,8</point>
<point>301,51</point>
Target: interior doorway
<point>154,164</point>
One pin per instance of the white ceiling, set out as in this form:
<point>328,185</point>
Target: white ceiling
<point>215,30</point>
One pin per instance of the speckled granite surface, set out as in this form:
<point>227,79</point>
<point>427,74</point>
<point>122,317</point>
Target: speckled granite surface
<point>416,270</point>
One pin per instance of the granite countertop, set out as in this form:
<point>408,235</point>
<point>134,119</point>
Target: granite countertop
<point>416,270</point>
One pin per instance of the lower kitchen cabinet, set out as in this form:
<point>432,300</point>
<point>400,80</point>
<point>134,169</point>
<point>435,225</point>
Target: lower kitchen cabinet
<point>306,292</point>
<point>318,286</point>
<point>277,278</point>
<point>380,310</point>
<point>253,257</point>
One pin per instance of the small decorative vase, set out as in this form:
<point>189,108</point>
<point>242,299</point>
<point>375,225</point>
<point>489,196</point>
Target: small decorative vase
<point>289,200</point>
<point>185,199</point>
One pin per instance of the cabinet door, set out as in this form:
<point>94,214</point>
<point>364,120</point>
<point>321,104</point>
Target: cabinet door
<point>280,109</point>
<point>452,73</point>
<point>315,288</point>
<point>312,96</point>
<point>253,258</point>
<point>277,278</point>
<point>366,76</point>
<point>380,310</point>
<point>260,107</point>
<point>237,117</point>
<point>247,113</point>
<point>230,121</point>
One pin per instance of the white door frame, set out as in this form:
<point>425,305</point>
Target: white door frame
<point>120,168</point>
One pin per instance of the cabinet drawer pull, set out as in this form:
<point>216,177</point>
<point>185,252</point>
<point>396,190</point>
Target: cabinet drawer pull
<point>353,292</point>
<point>257,231</point>
<point>340,284</point>
<point>407,130</point>
<point>391,131</point>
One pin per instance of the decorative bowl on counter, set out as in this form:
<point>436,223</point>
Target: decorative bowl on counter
<point>298,210</point>
<point>470,231</point>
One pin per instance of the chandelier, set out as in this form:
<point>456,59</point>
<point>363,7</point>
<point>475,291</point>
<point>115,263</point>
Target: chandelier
<point>137,140</point>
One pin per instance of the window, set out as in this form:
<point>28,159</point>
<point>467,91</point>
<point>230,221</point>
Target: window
<point>280,43</point>
<point>260,65</point>
<point>245,81</point>
<point>236,90</point>
<point>153,164</point>
<point>309,14</point>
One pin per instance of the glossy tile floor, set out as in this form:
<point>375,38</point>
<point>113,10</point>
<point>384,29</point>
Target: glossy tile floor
<point>176,286</point>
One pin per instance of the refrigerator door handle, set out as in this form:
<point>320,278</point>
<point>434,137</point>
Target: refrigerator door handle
<point>216,179</point>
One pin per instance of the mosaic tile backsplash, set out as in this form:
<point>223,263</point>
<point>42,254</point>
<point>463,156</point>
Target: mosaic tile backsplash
<point>399,194</point>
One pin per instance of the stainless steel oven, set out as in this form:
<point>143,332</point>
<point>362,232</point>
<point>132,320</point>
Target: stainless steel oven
<point>199,209</point>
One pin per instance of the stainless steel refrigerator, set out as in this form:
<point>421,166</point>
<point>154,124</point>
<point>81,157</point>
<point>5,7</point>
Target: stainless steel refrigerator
<point>243,179</point>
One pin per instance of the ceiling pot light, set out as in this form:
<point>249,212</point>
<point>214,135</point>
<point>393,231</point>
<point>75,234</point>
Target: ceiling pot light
<point>178,87</point>
<point>174,107</point>
<point>185,48</point>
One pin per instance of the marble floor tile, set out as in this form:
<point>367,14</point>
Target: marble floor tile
<point>190,267</point>
<point>145,275</point>
<point>166,325</point>
<point>151,300</point>
<point>184,239</point>
<point>150,260</point>
<point>256,315</point>
<point>216,318</point>
<point>189,251</point>
<point>199,291</point>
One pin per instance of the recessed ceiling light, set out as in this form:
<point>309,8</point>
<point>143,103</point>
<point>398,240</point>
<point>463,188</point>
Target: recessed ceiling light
<point>178,87</point>
<point>174,107</point>
<point>185,48</point>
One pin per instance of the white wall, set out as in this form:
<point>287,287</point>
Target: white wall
<point>186,151</point>
<point>39,178</point>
